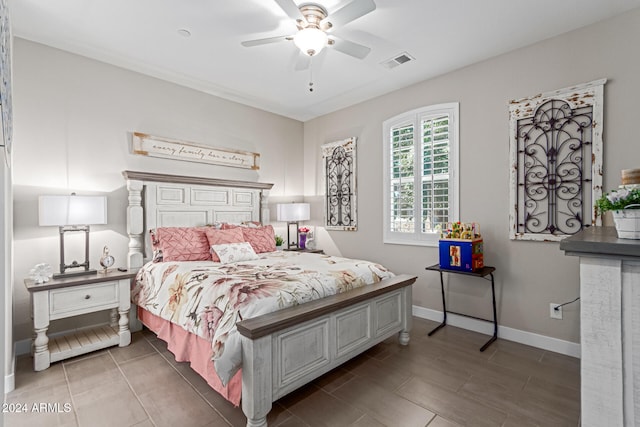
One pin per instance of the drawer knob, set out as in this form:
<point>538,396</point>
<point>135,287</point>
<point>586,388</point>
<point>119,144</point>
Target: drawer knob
<point>87,296</point>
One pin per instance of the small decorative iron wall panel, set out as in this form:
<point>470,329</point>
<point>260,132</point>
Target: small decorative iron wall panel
<point>556,162</point>
<point>339,160</point>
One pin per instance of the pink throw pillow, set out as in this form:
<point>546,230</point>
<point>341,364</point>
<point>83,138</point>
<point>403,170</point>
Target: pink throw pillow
<point>228,226</point>
<point>221,237</point>
<point>262,239</point>
<point>183,243</point>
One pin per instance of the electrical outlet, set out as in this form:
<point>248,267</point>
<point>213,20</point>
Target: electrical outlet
<point>555,312</point>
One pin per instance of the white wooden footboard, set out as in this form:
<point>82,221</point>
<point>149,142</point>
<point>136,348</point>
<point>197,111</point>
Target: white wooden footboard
<point>284,350</point>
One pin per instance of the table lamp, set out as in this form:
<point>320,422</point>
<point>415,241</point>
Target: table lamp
<point>72,213</point>
<point>293,213</point>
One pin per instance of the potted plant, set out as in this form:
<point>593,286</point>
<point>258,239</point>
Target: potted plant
<point>279,242</point>
<point>624,205</point>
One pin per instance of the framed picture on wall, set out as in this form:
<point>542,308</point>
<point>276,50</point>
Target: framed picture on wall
<point>339,163</point>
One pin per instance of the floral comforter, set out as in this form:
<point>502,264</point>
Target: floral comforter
<point>208,298</point>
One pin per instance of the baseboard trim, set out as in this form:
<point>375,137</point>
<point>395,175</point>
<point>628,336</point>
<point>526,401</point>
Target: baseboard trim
<point>523,337</point>
<point>23,347</point>
<point>9,383</point>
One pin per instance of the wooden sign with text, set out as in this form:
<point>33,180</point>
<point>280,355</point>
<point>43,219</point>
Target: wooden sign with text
<point>154,146</point>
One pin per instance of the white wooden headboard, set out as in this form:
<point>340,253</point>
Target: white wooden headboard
<point>161,200</point>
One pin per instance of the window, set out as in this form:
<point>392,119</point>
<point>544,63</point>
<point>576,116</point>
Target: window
<point>421,174</point>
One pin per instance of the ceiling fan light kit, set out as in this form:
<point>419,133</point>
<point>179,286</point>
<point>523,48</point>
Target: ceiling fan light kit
<point>311,40</point>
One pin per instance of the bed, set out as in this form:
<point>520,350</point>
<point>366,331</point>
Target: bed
<point>303,324</point>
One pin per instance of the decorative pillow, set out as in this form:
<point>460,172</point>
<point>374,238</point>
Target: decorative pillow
<point>234,252</point>
<point>155,245</point>
<point>228,226</point>
<point>262,239</point>
<point>253,224</point>
<point>183,243</point>
<point>220,237</point>
<point>157,256</point>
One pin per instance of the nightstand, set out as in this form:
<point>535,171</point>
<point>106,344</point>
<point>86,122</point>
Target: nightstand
<point>311,251</point>
<point>62,298</point>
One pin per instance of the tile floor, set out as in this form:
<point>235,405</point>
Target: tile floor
<point>438,381</point>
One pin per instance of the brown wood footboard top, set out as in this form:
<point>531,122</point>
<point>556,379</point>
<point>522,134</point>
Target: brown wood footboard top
<point>268,323</point>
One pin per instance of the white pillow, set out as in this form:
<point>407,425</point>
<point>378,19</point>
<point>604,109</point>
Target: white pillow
<point>234,252</point>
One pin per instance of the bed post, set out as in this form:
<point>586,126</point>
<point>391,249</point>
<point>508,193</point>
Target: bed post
<point>135,225</point>
<point>265,214</point>
<point>403,335</point>
<point>257,385</point>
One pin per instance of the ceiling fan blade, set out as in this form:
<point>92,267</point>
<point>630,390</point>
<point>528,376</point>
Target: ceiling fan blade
<point>303,62</point>
<point>291,9</point>
<point>349,12</point>
<point>350,48</point>
<point>258,42</point>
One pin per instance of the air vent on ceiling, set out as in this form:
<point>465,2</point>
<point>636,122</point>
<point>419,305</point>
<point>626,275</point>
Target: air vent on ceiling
<point>400,59</point>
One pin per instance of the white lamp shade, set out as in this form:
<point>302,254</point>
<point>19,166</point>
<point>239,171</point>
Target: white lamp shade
<point>310,40</point>
<point>72,210</point>
<point>292,212</point>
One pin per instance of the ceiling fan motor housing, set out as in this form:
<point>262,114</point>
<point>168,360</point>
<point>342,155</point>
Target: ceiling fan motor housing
<point>313,14</point>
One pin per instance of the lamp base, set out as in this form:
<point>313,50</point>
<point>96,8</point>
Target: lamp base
<point>74,274</point>
<point>86,271</point>
<point>290,243</point>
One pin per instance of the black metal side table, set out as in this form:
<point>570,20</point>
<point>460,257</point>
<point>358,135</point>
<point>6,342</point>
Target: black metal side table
<point>485,271</point>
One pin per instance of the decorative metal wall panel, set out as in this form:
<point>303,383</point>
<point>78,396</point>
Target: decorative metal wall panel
<point>556,154</point>
<point>339,160</point>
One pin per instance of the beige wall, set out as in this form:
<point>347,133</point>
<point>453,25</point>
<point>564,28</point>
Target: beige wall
<point>73,114</point>
<point>529,275</point>
<point>72,117</point>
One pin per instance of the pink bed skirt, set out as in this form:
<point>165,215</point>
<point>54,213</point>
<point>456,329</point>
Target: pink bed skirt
<point>188,347</point>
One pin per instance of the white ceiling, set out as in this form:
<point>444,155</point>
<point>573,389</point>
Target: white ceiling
<point>443,35</point>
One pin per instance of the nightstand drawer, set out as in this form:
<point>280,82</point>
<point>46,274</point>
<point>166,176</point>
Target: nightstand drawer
<point>82,299</point>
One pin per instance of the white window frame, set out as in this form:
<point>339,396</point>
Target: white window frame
<point>415,117</point>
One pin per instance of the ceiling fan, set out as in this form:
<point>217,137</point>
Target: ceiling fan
<point>314,25</point>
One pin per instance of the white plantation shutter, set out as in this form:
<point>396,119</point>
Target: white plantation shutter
<point>420,178</point>
<point>402,179</point>
<point>435,172</point>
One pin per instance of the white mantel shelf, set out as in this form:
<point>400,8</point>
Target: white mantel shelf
<point>609,326</point>
<point>601,242</point>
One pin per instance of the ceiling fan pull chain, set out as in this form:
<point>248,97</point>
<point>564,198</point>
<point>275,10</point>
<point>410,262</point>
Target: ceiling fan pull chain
<point>311,74</point>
